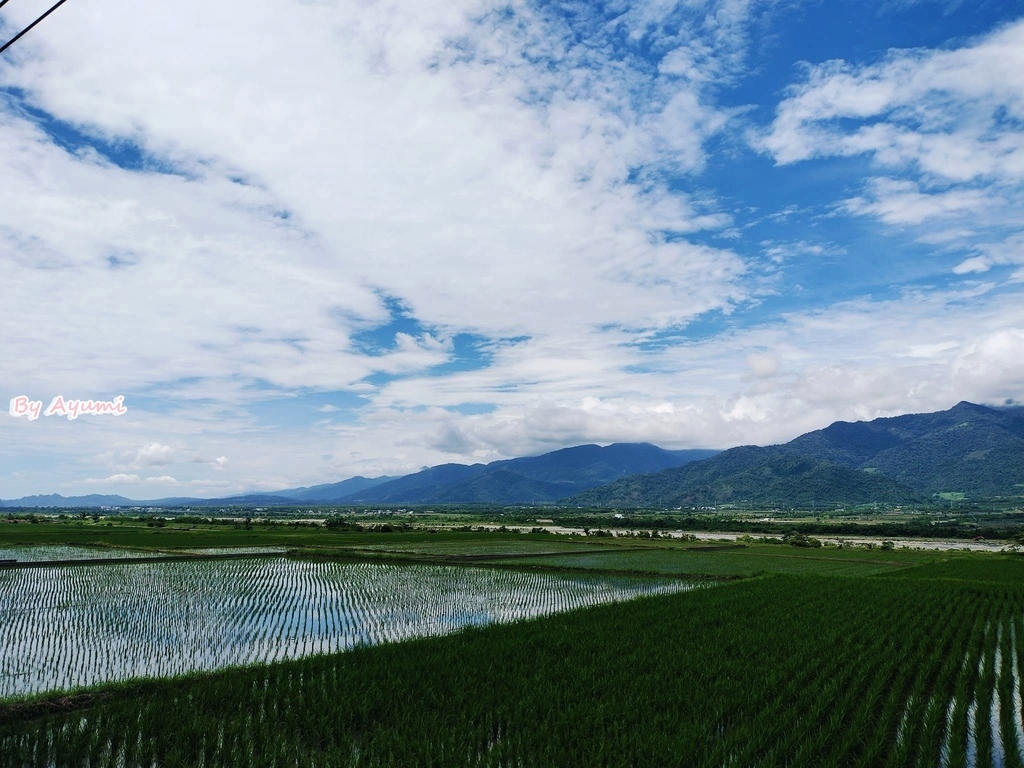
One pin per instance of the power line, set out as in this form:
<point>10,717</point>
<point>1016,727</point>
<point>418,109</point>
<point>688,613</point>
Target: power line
<point>27,29</point>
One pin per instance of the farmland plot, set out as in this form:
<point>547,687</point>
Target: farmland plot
<point>62,628</point>
<point>58,552</point>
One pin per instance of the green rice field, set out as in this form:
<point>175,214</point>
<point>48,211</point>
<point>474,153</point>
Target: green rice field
<point>730,561</point>
<point>779,670</point>
<point>805,657</point>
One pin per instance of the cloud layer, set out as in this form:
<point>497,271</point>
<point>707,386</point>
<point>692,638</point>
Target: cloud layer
<point>308,240</point>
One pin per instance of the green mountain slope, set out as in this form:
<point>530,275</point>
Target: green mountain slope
<point>970,449</point>
<point>768,476</point>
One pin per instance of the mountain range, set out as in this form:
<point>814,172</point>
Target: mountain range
<point>524,480</point>
<point>332,491</point>
<point>970,450</point>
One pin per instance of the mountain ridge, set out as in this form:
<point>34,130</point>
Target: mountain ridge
<point>968,450</point>
<point>529,479</point>
<point>972,450</point>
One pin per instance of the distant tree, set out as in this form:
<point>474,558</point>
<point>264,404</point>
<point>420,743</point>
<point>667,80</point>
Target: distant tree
<point>797,539</point>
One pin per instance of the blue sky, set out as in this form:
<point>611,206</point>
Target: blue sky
<point>318,240</point>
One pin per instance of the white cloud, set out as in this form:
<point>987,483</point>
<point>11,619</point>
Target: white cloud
<point>495,172</point>
<point>858,360</point>
<point>161,480</point>
<point>763,366</point>
<point>862,359</point>
<point>993,358</point>
<point>118,479</point>
<point>944,126</point>
<point>492,170</point>
<point>899,203</point>
<point>408,142</point>
<point>942,110</point>
<point>158,455</point>
<point>1008,251</point>
<point>152,455</point>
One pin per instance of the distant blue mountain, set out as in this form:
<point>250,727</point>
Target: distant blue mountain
<point>333,491</point>
<point>92,501</point>
<point>529,479</point>
<point>56,500</point>
<point>418,487</point>
<point>524,480</point>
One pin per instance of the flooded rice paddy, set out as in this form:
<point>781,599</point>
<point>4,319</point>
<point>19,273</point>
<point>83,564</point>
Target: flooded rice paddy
<point>67,627</point>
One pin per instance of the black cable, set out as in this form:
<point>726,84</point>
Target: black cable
<point>3,3</point>
<point>26,30</point>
